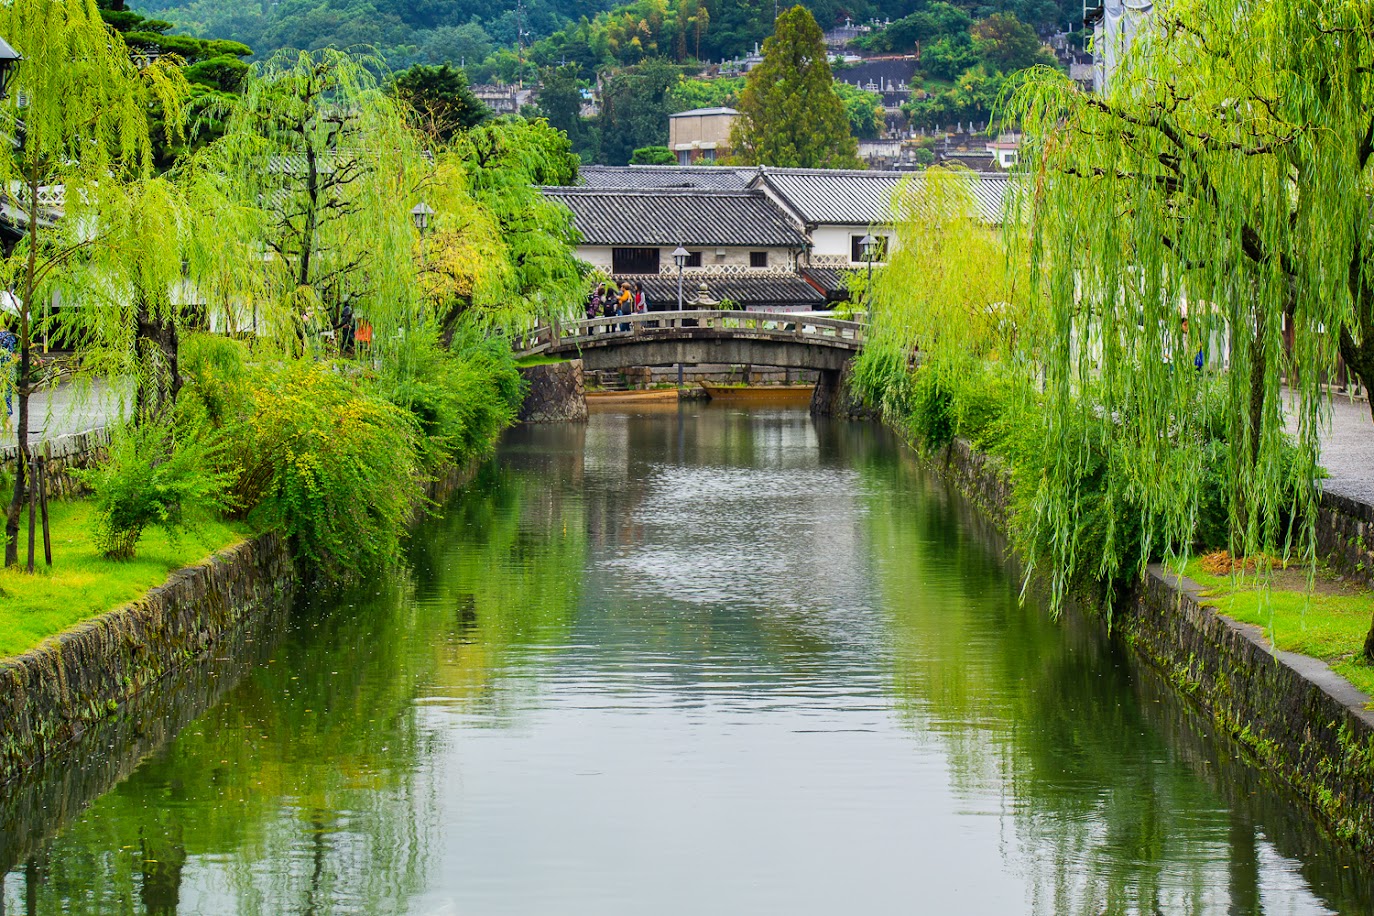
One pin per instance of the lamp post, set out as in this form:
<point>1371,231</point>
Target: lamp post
<point>680,256</point>
<point>420,214</point>
<point>9,62</point>
<point>870,248</point>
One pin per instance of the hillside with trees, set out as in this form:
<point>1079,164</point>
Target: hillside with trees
<point>483,37</point>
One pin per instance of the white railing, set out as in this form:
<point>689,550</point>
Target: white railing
<point>780,326</point>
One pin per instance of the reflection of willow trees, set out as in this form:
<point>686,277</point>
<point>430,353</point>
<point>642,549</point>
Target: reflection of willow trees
<point>501,571</point>
<point>296,794</point>
<point>1107,817</point>
<point>304,790</point>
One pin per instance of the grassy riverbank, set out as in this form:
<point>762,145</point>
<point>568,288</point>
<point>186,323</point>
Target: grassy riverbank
<point>82,584</point>
<point>1329,623</point>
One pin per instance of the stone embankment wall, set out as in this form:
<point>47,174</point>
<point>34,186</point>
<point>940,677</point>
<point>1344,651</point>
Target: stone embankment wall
<point>1345,536</point>
<point>52,694</point>
<point>1302,721</point>
<point>77,452</point>
<point>834,396</point>
<point>556,393</point>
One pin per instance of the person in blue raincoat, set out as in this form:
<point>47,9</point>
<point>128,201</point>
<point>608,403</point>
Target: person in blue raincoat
<point>9,345</point>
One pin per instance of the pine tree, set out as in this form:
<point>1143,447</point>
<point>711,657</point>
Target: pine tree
<point>790,114</point>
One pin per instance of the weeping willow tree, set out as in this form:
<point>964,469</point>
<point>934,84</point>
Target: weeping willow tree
<point>506,160</point>
<point>319,171</point>
<point>952,296</point>
<point>73,152</point>
<point>1225,178</point>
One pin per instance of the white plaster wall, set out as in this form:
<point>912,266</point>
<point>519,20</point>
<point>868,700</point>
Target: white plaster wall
<point>829,243</point>
<point>734,259</point>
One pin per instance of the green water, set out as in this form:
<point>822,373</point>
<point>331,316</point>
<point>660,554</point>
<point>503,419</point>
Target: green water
<point>679,662</point>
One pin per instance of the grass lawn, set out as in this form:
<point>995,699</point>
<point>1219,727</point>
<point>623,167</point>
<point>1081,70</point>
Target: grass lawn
<point>81,584</point>
<point>1330,623</point>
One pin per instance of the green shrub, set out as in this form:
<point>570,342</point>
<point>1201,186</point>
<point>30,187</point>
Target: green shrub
<point>461,398</point>
<point>324,460</point>
<point>215,376</point>
<point>932,408</point>
<point>155,475</point>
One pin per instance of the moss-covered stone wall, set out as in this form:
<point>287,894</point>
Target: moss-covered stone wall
<point>1345,536</point>
<point>51,695</point>
<point>1304,723</point>
<point>80,451</point>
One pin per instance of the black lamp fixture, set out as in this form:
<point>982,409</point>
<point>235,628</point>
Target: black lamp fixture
<point>9,62</point>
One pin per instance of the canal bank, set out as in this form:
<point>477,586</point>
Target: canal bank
<point>73,682</point>
<point>671,661</point>
<point>1298,717</point>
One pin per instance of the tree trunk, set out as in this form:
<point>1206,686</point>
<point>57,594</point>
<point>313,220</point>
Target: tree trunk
<point>157,347</point>
<point>1359,359</point>
<point>448,326</point>
<point>23,383</point>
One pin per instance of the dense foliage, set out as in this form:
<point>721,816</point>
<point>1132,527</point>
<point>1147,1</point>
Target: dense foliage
<point>1226,172</point>
<point>85,128</point>
<point>374,353</point>
<point>963,345</point>
<point>156,475</point>
<point>590,34</point>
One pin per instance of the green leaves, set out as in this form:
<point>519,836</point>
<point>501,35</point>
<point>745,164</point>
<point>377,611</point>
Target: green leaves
<point>156,475</point>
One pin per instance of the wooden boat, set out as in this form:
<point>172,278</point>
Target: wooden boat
<point>759,394</point>
<point>649,396</point>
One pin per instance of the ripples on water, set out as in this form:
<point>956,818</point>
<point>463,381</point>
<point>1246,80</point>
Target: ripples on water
<point>681,662</point>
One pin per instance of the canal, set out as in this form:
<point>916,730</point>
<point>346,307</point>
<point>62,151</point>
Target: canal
<point>696,660</point>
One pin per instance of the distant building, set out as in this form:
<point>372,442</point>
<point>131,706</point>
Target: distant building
<point>504,99</point>
<point>1006,151</point>
<point>700,135</point>
<point>740,244</point>
<point>764,238</point>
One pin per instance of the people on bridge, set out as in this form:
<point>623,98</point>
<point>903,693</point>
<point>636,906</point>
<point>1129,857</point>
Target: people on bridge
<point>625,304</point>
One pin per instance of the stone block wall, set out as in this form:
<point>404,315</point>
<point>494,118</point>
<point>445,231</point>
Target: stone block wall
<point>52,694</point>
<point>1345,537</point>
<point>80,451</point>
<point>1301,720</point>
<point>556,393</point>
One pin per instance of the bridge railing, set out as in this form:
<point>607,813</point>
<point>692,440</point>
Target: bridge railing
<point>784,326</point>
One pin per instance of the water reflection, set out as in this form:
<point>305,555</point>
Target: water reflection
<point>679,662</point>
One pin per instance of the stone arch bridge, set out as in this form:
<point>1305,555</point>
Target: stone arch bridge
<point>781,339</point>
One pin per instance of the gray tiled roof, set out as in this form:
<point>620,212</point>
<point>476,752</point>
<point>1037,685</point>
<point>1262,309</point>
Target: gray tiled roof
<point>661,290</point>
<point>830,279</point>
<point>671,217</point>
<point>644,177</point>
<point>859,198</point>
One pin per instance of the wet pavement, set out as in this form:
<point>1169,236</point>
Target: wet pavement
<point>67,409</point>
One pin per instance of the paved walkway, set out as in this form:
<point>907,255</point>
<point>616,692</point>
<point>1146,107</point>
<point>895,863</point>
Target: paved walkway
<point>64,410</point>
<point>1348,451</point>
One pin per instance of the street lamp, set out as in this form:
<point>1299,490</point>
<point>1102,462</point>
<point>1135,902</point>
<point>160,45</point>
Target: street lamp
<point>9,62</point>
<point>680,256</point>
<point>421,214</point>
<point>870,248</point>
